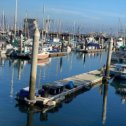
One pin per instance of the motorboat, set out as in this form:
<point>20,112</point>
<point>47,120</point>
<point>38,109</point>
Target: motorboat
<point>43,55</point>
<point>119,42</point>
<point>118,71</point>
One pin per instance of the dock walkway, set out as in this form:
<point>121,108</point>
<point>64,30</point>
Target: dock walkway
<point>80,81</point>
<point>56,54</point>
<point>90,50</point>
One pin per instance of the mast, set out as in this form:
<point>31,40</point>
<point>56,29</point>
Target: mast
<point>43,17</point>
<point>26,25</point>
<point>15,22</point>
<point>43,25</point>
<point>3,23</point>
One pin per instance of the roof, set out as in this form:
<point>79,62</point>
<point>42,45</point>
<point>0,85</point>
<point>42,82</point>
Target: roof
<point>93,44</point>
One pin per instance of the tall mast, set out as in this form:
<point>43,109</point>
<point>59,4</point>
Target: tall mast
<point>3,23</point>
<point>59,28</point>
<point>43,25</point>
<point>43,17</point>
<point>74,33</point>
<point>26,25</point>
<point>15,22</point>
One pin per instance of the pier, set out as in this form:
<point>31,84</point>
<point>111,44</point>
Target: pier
<point>56,54</point>
<point>81,81</point>
<point>90,50</point>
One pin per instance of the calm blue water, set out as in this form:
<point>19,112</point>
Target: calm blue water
<point>85,109</point>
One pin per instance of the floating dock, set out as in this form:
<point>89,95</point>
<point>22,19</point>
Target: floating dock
<point>90,50</point>
<point>85,80</point>
<point>27,57</point>
<point>56,54</point>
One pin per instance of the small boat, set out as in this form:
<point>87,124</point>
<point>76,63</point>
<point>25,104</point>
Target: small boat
<point>118,57</point>
<point>23,94</point>
<point>118,71</point>
<point>17,55</point>
<point>43,55</point>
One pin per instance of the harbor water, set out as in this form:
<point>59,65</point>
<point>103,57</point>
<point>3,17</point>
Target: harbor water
<point>97,107</point>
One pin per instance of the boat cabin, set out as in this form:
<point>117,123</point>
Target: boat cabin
<point>120,67</point>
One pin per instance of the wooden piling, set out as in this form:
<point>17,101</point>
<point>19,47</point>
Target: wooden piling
<point>108,62</point>
<point>19,70</point>
<point>104,108</point>
<point>21,40</point>
<point>30,117</point>
<point>34,64</point>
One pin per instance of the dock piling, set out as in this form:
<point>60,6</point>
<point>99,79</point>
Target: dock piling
<point>104,106</point>
<point>108,62</point>
<point>34,64</point>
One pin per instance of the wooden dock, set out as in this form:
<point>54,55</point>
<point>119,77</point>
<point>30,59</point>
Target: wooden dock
<point>56,54</point>
<point>81,81</point>
<point>90,50</point>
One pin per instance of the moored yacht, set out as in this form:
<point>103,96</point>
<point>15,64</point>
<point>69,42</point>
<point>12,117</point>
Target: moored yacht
<point>118,71</point>
<point>119,43</point>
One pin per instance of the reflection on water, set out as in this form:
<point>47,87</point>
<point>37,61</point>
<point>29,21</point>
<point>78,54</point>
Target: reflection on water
<point>84,58</point>
<point>104,106</point>
<point>42,72</point>
<point>19,65</point>
<point>63,66</point>
<point>61,63</point>
<point>29,119</point>
<point>2,62</point>
<point>12,83</point>
<point>120,89</point>
<point>43,111</point>
<point>15,75</point>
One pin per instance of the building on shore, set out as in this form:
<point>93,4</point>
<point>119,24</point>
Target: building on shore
<point>29,27</point>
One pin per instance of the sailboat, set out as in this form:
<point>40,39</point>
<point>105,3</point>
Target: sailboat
<point>42,54</point>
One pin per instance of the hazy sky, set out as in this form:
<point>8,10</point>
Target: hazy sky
<point>93,12</point>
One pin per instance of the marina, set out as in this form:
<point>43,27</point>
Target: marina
<point>44,116</point>
<point>62,63</point>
